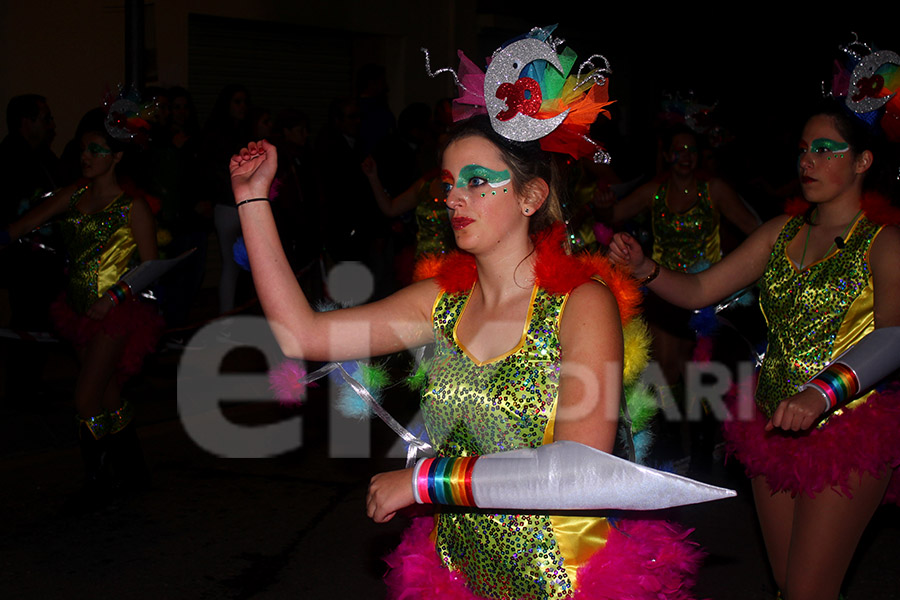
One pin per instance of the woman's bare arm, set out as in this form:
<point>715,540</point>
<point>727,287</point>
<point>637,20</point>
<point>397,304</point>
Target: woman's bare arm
<point>42,214</point>
<point>737,270</point>
<point>590,385</point>
<point>143,227</point>
<point>402,320</point>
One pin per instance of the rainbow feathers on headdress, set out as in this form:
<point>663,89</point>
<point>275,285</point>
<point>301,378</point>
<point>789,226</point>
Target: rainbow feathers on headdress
<point>583,93</point>
<point>127,115</point>
<point>867,80</point>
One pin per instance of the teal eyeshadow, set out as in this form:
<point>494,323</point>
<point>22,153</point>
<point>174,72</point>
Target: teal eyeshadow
<point>829,145</point>
<point>493,178</point>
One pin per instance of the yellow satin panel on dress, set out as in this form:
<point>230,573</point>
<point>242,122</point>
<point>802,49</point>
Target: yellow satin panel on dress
<point>99,245</point>
<point>114,259</point>
<point>578,539</point>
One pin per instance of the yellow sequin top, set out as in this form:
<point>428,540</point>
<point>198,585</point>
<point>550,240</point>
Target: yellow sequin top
<point>813,314</point>
<point>475,408</point>
<point>100,247</point>
<point>684,240</point>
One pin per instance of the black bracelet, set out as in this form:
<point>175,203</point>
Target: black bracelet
<point>243,202</point>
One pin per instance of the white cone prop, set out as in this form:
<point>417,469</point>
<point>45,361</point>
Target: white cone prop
<point>571,476</point>
<point>150,270</point>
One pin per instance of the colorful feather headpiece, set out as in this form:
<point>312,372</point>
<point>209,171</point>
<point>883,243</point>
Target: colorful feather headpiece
<point>128,116</point>
<point>685,109</point>
<point>529,92</point>
<point>867,81</point>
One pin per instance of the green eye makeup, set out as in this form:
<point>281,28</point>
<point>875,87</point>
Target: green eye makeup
<point>493,178</point>
<point>827,145</point>
<point>97,150</point>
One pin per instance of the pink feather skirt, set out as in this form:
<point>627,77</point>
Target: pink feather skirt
<point>865,439</point>
<point>642,560</point>
<point>136,320</point>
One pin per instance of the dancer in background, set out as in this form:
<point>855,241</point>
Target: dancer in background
<point>820,461</point>
<point>105,231</point>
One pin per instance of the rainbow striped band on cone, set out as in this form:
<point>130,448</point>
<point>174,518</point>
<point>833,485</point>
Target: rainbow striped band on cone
<point>119,292</point>
<point>838,383</point>
<point>444,480</point>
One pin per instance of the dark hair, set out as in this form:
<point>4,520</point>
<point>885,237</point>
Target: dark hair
<point>26,106</point>
<point>526,161</point>
<point>221,111</point>
<point>94,121</point>
<point>290,118</point>
<point>669,134</point>
<point>882,175</point>
<point>193,123</point>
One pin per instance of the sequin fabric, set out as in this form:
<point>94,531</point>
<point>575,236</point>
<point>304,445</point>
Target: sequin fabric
<point>683,240</point>
<point>504,404</point>
<point>809,312</point>
<point>87,239</point>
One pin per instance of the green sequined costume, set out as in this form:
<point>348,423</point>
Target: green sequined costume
<point>101,247</point>
<point>682,241</point>
<point>813,314</point>
<point>474,408</point>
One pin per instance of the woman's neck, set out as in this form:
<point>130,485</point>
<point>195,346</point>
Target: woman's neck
<point>502,275</point>
<point>838,212</point>
<point>106,184</point>
<point>682,182</point>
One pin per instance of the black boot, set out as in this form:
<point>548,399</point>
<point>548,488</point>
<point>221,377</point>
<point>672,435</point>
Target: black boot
<point>96,492</point>
<point>126,460</point>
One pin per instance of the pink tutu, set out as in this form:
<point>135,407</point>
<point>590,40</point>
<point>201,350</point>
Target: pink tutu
<point>137,320</point>
<point>865,439</point>
<point>642,560</point>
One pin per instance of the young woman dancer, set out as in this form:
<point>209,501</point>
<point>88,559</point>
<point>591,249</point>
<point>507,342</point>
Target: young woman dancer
<point>827,275</point>
<point>528,356</point>
<point>105,230</point>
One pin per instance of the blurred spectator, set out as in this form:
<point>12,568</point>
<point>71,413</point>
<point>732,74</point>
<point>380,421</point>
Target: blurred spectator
<point>227,130</point>
<point>32,270</point>
<point>376,119</point>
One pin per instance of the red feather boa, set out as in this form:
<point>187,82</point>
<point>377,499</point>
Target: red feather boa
<point>554,270</point>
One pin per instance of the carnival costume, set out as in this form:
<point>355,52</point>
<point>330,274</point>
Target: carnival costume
<point>475,408</point>
<point>816,313</point>
<point>683,241</point>
<point>491,423</point>
<point>101,246</point>
<point>813,315</point>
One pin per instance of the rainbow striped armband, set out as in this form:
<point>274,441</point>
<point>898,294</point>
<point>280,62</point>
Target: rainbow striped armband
<point>119,292</point>
<point>859,368</point>
<point>838,384</point>
<point>444,480</point>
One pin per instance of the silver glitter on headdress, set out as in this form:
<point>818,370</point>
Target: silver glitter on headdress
<point>439,71</point>
<point>503,71</point>
<point>529,79</point>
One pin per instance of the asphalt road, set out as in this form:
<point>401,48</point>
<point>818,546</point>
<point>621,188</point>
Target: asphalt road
<point>291,526</point>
